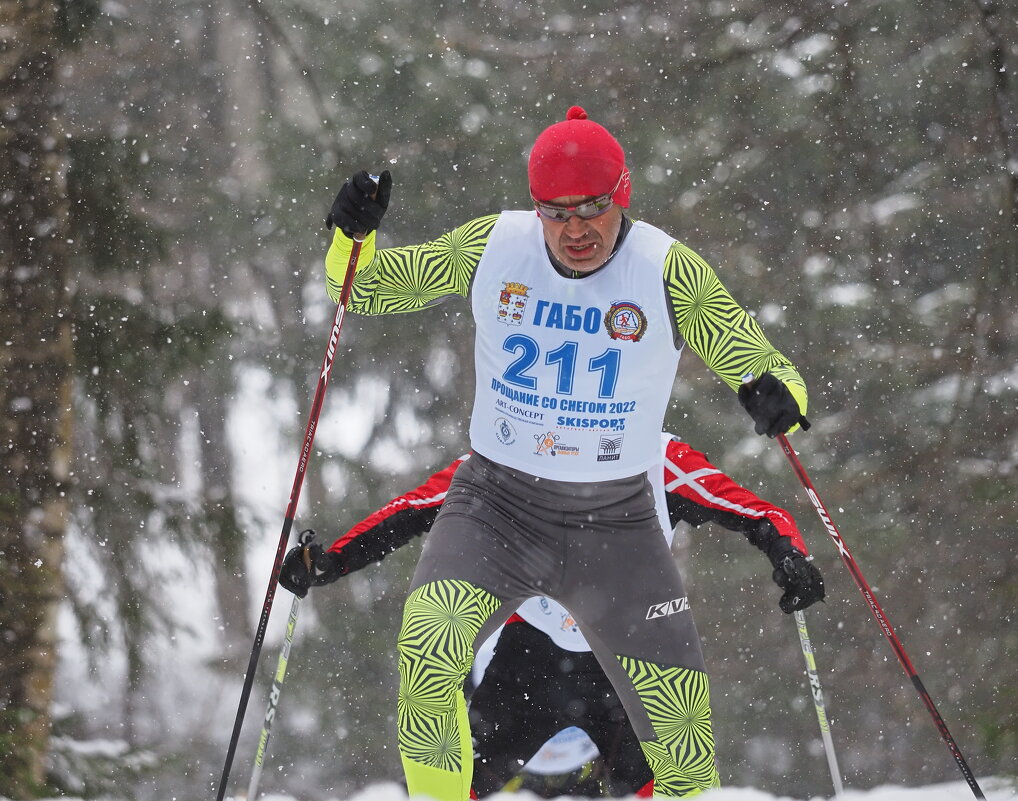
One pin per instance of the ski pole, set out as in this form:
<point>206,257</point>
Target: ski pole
<point>878,613</point>
<point>304,538</point>
<point>291,511</point>
<point>818,702</point>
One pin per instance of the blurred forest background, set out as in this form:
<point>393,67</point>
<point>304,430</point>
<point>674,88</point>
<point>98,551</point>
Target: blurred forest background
<point>850,168</point>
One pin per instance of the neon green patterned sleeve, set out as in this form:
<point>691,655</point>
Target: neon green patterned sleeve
<point>337,261</point>
<point>406,279</point>
<point>719,330</point>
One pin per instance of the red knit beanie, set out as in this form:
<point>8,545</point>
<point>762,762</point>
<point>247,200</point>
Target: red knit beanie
<point>577,157</point>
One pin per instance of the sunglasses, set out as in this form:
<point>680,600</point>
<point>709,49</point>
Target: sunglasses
<point>585,211</point>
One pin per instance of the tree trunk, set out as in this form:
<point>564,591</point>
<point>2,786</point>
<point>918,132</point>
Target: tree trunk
<point>224,531</point>
<point>35,392</point>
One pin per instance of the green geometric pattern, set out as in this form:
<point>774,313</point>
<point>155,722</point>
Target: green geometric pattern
<point>677,700</point>
<point>717,328</point>
<point>405,279</point>
<point>440,621</point>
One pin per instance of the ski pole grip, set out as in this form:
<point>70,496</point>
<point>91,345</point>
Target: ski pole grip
<point>362,237</point>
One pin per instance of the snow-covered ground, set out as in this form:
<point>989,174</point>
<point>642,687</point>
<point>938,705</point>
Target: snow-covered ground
<point>994,789</point>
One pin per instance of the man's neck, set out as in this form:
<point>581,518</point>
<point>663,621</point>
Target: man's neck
<point>568,272</point>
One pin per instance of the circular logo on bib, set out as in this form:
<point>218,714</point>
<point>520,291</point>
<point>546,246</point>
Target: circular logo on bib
<point>625,320</point>
<point>504,431</point>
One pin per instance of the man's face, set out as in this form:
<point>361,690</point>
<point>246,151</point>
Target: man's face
<point>582,245</point>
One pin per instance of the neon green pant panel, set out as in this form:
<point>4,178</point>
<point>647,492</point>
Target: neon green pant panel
<point>440,622</point>
<point>443,783</point>
<point>677,701</point>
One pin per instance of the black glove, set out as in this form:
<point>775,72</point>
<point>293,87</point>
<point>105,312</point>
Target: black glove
<point>294,575</point>
<point>360,204</point>
<point>796,574</point>
<point>771,406</point>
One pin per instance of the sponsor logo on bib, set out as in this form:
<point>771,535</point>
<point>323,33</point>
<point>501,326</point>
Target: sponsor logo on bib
<point>549,444</point>
<point>546,442</point>
<point>609,449</point>
<point>504,431</point>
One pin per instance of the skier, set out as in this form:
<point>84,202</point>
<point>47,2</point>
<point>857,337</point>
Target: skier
<point>542,678</point>
<point>580,318</point>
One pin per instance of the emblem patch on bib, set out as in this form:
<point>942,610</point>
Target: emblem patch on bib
<point>512,302</point>
<point>625,320</point>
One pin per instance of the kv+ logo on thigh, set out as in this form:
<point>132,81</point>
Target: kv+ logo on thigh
<point>668,608</point>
